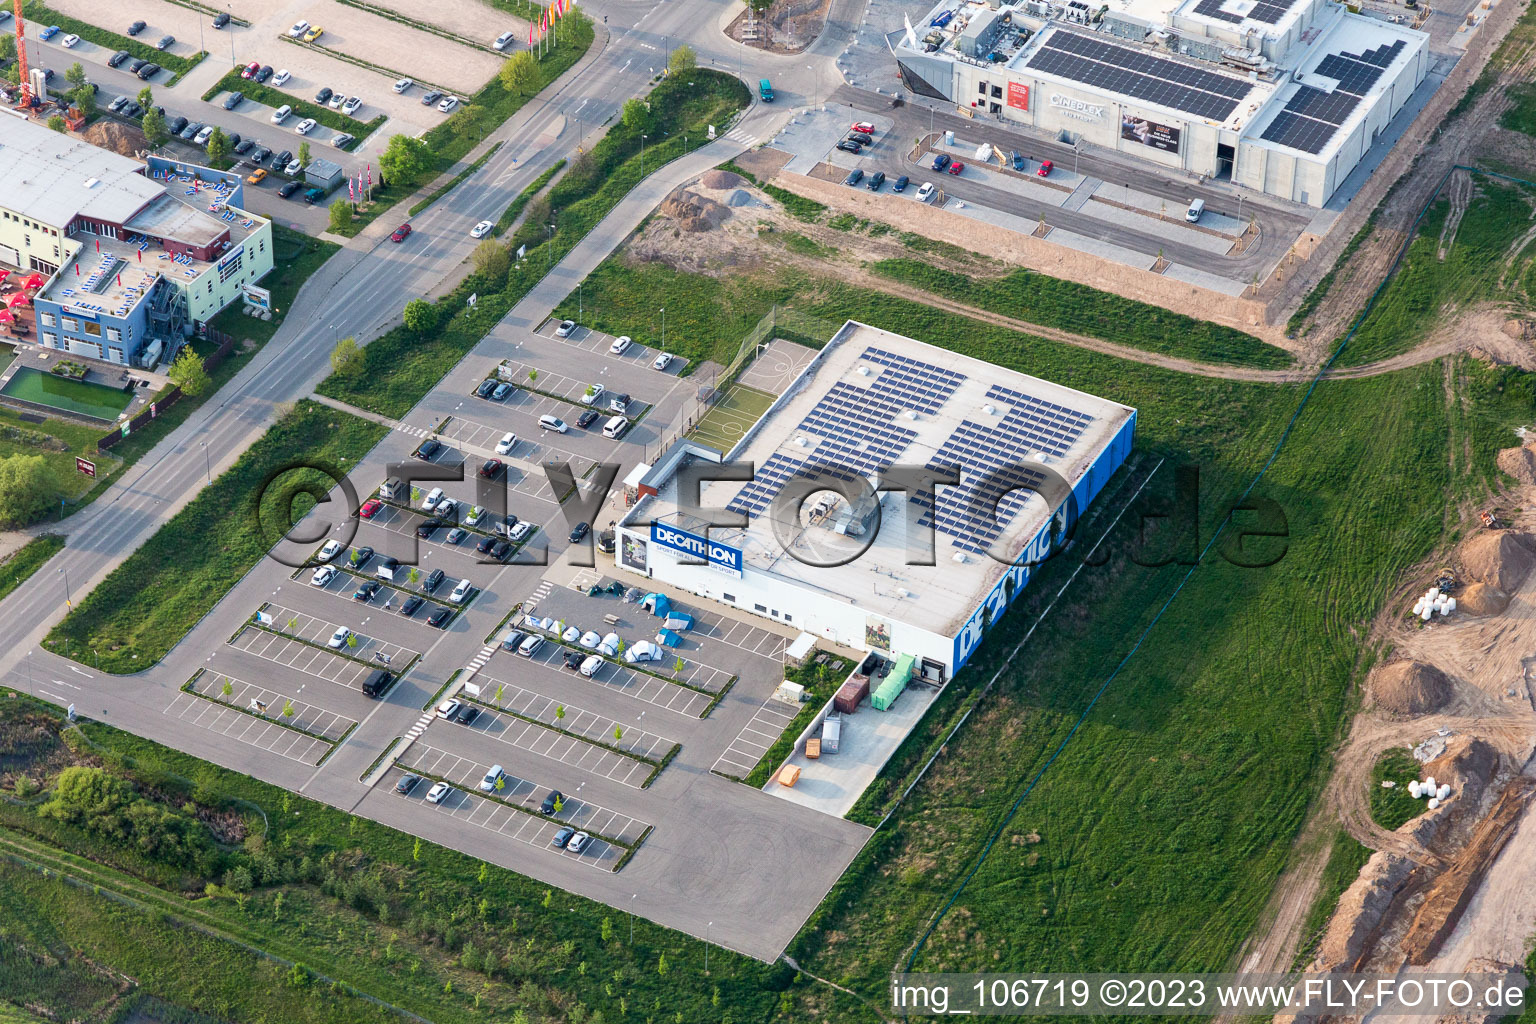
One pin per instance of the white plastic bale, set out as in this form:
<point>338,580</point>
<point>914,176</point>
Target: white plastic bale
<point>1426,613</point>
<point>1443,792</point>
<point>1418,609</point>
<point>1413,789</point>
<point>1429,784</point>
<point>1450,605</point>
<point>1433,803</point>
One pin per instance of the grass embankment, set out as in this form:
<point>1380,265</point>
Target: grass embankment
<point>429,930</point>
<point>267,96</point>
<point>1487,258</point>
<point>511,213</point>
<point>138,613</point>
<point>453,182</point>
<point>1391,808</point>
<point>1345,859</point>
<point>820,682</point>
<point>400,367</point>
<point>478,117</point>
<point>59,442</point>
<point>15,570</point>
<point>176,65</point>
<point>295,256</point>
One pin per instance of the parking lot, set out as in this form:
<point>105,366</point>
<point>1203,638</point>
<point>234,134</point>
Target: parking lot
<point>669,696</point>
<point>568,750</point>
<point>259,700</point>
<point>319,631</point>
<point>236,725</point>
<point>639,354</point>
<point>572,719</point>
<point>756,737</point>
<point>301,657</point>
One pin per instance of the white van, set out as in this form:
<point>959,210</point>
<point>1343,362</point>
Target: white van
<point>554,423</point>
<point>615,427</point>
<point>434,496</point>
<point>281,114</point>
<point>1196,208</point>
<point>590,666</point>
<point>390,489</point>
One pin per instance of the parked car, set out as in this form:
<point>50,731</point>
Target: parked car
<point>148,71</point>
<point>854,176</point>
<point>486,387</point>
<point>620,345</point>
<point>1017,159</point>
<point>221,20</point>
<point>505,40</point>
<point>249,71</point>
<point>466,714</point>
<point>407,783</point>
<point>438,793</point>
<point>579,531</point>
<point>322,576</point>
<point>365,591</point>
<point>260,153</point>
<point>136,28</point>
<point>484,544</point>
<point>134,64</point>
<point>590,665</point>
<point>313,195</point>
<point>578,842</point>
<point>323,95</point>
<point>257,176</point>
<point>562,837</point>
<point>456,535</point>
<point>488,782</point>
<point>427,527</point>
<point>402,85</point>
<point>202,137</point>
<point>165,42</point>
<point>1045,168</point>
<point>876,180</point>
<point>449,105</point>
<point>340,637</point>
<point>351,106</point>
<point>662,361</point>
<point>849,146</point>
<point>481,230</point>
<point>264,74</point>
<point>430,97</point>
<point>956,167</point>
<point>400,233</point>
<point>341,140</point>
<point>942,161</point>
<point>439,619</point>
<point>552,798</point>
<point>120,102</point>
<point>370,508</point>
<point>428,448</point>
<point>243,146</point>
<point>117,58</point>
<point>411,604</point>
<point>69,41</point>
<point>491,469</point>
<point>531,646</point>
<point>305,126</point>
<point>315,32</point>
<point>565,329</point>
<point>174,125</point>
<point>233,100</point>
<point>293,167</point>
<point>289,188</point>
<point>555,423</point>
<point>901,184</point>
<point>48,33</point>
<point>299,28</point>
<point>500,550</point>
<point>433,580</point>
<point>862,127</point>
<point>587,418</point>
<point>281,114</point>
<point>861,138</point>
<point>502,391</point>
<point>506,444</point>
<point>447,708</point>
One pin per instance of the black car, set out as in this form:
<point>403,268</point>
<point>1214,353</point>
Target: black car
<point>849,146</point>
<point>406,784</point>
<point>165,42</point>
<point>513,640</point>
<point>411,604</point>
<point>428,448</point>
<point>363,554</point>
<point>573,659</point>
<point>221,20</point>
<point>243,146</point>
<point>854,176</point>
<point>260,153</point>
<point>289,189</point>
<point>148,71</point>
<point>430,98</point>
<point>465,714</point>
<point>579,531</point>
<point>233,140</point>
<point>117,58</point>
<point>427,527</point>
<point>133,110</point>
<point>562,837</point>
<point>323,95</point>
<point>486,387</point>
<point>134,64</point>
<point>265,73</point>
<point>189,130</point>
<point>281,160</point>
<point>901,184</point>
<point>554,797</point>
<point>485,544</point>
<point>136,28</point>
<point>314,195</point>
<point>434,578</point>
<point>365,592</point>
<point>500,550</point>
<point>861,138</point>
<point>876,180</point>
<point>439,618</point>
<point>587,418</point>
<point>175,124</point>
<point>233,100</point>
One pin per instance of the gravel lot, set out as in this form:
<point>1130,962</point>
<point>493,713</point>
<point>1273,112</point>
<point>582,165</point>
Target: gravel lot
<point>468,18</point>
<point>389,44</point>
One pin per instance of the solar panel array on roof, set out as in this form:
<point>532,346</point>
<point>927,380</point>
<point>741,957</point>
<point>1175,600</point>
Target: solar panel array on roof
<point>990,458</point>
<point>1267,11</point>
<point>1154,79</point>
<point>855,427</point>
<point>1311,117</point>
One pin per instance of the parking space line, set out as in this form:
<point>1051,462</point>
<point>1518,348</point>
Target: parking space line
<point>754,740</point>
<point>584,723</point>
<point>288,652</point>
<point>644,687</point>
<point>231,724</point>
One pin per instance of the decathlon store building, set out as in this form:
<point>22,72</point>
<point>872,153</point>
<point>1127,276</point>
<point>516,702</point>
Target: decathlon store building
<point>837,566</point>
<point>1282,96</point>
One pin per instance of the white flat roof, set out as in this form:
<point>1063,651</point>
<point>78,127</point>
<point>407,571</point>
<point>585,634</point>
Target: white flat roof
<point>51,177</point>
<point>873,399</point>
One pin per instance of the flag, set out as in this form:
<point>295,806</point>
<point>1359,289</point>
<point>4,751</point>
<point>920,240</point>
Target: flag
<point>530,33</point>
<point>369,168</point>
<point>351,194</point>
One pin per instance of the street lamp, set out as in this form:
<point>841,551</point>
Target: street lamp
<point>815,85</point>
<point>65,574</point>
<point>1075,154</point>
<point>707,926</point>
<point>663,327</point>
<point>632,919</point>
<point>207,460</point>
<point>231,9</point>
<point>642,156</point>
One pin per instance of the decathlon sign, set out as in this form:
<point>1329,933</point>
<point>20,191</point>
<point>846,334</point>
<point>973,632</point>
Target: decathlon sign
<point>717,556</point>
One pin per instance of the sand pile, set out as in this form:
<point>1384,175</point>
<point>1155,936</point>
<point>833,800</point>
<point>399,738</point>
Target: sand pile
<point>1481,599</point>
<point>693,212</point>
<point>1519,463</point>
<point>1408,688</point>
<point>115,136</point>
<point>1360,910</point>
<point>721,179</point>
<point>1500,558</point>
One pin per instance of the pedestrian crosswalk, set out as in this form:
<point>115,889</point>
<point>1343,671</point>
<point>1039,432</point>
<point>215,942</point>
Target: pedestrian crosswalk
<point>414,431</point>
<point>545,586</point>
<point>737,135</point>
<point>479,660</point>
<point>421,725</point>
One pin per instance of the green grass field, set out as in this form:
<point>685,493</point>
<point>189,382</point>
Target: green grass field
<point>728,420</point>
<point>1393,807</point>
<point>15,570</point>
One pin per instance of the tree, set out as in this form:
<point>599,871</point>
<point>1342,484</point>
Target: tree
<point>683,60</point>
<point>154,128</point>
<point>618,732</point>
<point>226,689</point>
<point>491,260</point>
<point>419,316</point>
<point>341,215</point>
<point>462,123</point>
<point>405,159</point>
<point>57,124</point>
<point>27,490</point>
<point>304,154</point>
<point>218,146</point>
<point>519,74</point>
<point>7,47</point>
<point>82,95</point>
<point>347,356</point>
<point>637,116</point>
<point>188,374</point>
<point>147,98</point>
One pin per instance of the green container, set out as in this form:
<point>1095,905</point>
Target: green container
<point>890,689</point>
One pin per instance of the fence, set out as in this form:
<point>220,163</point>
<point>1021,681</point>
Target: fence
<point>225,345</point>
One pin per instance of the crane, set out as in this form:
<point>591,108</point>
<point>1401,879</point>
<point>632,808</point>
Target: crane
<point>21,57</point>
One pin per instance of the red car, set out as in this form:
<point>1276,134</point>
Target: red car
<point>370,507</point>
<point>250,69</point>
<point>400,233</point>
<point>491,469</point>
<point>863,126</point>
<point>956,167</point>
<point>1045,169</point>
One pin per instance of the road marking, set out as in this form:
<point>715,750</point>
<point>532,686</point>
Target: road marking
<point>754,740</point>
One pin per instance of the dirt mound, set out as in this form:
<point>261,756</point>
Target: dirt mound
<point>1497,557</point>
<point>693,212</point>
<point>1519,463</point>
<point>721,179</point>
<point>119,138</point>
<point>1409,688</point>
<point>1481,599</point>
<point>1360,911</point>
<point>1517,329</point>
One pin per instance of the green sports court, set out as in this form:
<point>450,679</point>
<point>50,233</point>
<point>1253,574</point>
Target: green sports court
<point>731,417</point>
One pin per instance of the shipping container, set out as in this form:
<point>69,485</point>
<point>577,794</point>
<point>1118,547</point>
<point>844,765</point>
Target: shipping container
<point>851,694</point>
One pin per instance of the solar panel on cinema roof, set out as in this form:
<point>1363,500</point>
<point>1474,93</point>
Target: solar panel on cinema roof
<point>1145,76</point>
<point>1311,117</point>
